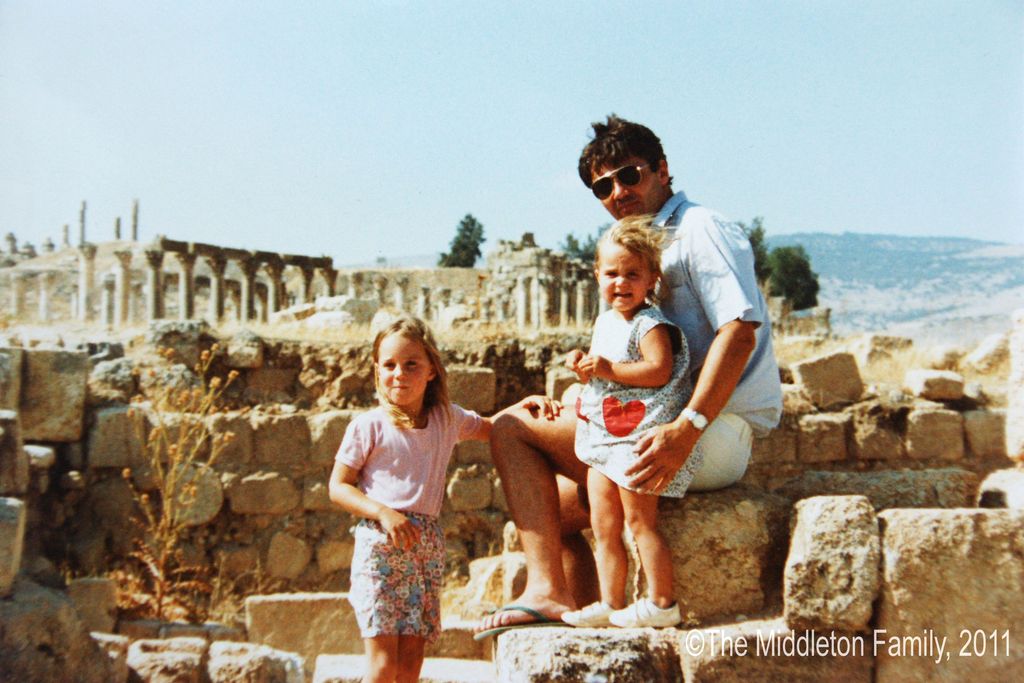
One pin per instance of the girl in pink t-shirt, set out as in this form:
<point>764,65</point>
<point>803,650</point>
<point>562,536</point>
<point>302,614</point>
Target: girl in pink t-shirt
<point>390,470</point>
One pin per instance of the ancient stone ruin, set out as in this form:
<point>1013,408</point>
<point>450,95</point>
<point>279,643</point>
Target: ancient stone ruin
<point>873,521</point>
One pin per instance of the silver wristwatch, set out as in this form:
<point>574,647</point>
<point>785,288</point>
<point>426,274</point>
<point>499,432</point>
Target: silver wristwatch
<point>695,418</point>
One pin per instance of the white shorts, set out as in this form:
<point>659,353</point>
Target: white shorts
<point>726,444</point>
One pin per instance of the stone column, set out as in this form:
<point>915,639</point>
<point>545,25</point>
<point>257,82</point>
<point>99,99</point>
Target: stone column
<point>86,280</point>
<point>306,293</point>
<point>261,297</point>
<point>563,303</point>
<point>400,284</point>
<point>122,286</point>
<point>582,308</point>
<point>81,225</point>
<point>215,311</point>
<point>423,303</point>
<point>355,285</point>
<point>538,301</point>
<point>44,281</point>
<point>65,238</point>
<point>117,228</point>
<point>154,284</point>
<point>380,286</point>
<point>248,284</point>
<point>48,246</point>
<point>107,299</point>
<point>275,287</point>
<point>12,244</point>
<point>329,276</point>
<point>522,303</point>
<point>135,221</point>
<point>73,302</point>
<point>186,286</point>
<point>17,293</point>
<point>500,304</point>
<point>341,285</point>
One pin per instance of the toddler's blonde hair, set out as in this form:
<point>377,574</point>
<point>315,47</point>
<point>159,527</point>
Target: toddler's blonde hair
<point>436,394</point>
<point>635,234</point>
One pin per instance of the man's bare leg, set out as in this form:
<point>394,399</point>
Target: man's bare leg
<point>578,562</point>
<point>528,450</point>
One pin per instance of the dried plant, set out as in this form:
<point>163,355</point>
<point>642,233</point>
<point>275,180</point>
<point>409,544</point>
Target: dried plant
<point>178,450</point>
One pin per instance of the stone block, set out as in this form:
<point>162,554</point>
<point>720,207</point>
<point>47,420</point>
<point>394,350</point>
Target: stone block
<point>875,348</point>
<point>935,433</point>
<point>199,495</point>
<point>10,378</point>
<point>989,356</point>
<point>1015,391</point>
<point>326,431</point>
<point>576,654</point>
<point>557,379</point>
<point>352,669</point>
<point>235,561</point>
<point>96,602</point>
<point>469,488</point>
<point>1002,489</point>
<point>309,624</point>
<point>332,556</point>
<point>12,541</point>
<point>232,662</point>
<point>263,493</point>
<point>472,452</point>
<point>187,338</point>
<point>116,648</point>
<point>315,495</point>
<point>53,395</point>
<point>935,488</point>
<point>738,535</point>
<point>14,474</point>
<point>244,351</point>
<point>472,388</point>
<point>767,651</point>
<point>934,385</point>
<point>875,434</point>
<point>942,357</point>
<point>986,433</point>
<point>114,439</point>
<point>831,380</point>
<point>456,641</point>
<point>944,572</point>
<point>270,385</point>
<point>780,445</point>
<point>831,574</point>
<point>231,434</point>
<point>140,629</point>
<point>39,456</point>
<point>280,439</point>
<point>823,436</point>
<point>287,556</point>
<point>176,660</point>
<point>42,639</point>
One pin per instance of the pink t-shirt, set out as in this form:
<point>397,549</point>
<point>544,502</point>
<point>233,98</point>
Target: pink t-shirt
<point>405,468</point>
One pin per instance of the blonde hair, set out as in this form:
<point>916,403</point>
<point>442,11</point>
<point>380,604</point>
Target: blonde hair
<point>635,234</point>
<point>436,394</point>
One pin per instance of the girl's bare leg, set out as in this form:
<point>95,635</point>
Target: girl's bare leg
<point>383,659</point>
<point>410,658</point>
<point>606,516</point>
<point>641,511</point>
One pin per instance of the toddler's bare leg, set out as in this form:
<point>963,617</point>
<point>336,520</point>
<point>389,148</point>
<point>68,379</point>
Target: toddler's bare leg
<point>606,517</point>
<point>641,512</point>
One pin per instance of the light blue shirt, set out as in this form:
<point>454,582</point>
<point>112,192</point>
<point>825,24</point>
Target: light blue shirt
<point>709,277</point>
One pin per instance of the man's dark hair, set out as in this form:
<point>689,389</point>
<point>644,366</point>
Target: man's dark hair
<point>615,141</point>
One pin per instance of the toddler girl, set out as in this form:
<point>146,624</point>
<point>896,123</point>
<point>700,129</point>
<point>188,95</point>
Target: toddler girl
<point>390,470</point>
<point>636,374</point>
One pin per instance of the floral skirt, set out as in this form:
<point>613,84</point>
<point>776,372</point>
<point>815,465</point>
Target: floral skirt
<point>396,591</point>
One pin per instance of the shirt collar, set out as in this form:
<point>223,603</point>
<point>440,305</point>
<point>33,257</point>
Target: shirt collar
<point>669,208</point>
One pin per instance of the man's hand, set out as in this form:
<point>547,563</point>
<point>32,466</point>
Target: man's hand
<point>542,405</point>
<point>660,452</point>
<point>400,530</point>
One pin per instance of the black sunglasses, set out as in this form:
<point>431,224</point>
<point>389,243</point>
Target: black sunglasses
<point>627,176</point>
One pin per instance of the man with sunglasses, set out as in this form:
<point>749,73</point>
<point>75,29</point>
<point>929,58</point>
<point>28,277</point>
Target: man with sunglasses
<point>714,298</point>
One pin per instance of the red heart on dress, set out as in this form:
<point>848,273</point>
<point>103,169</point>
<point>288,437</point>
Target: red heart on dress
<point>621,419</point>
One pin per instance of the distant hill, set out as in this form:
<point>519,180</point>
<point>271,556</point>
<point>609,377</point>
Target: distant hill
<point>935,288</point>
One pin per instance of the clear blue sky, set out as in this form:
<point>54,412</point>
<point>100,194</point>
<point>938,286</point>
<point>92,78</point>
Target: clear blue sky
<point>366,129</point>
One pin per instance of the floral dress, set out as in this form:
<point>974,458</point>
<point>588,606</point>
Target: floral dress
<point>612,416</point>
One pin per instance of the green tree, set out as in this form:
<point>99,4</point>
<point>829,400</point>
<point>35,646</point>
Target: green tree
<point>755,233</point>
<point>792,277</point>
<point>465,246</point>
<point>584,249</point>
